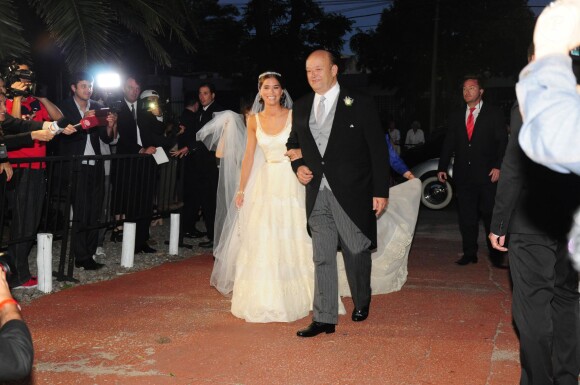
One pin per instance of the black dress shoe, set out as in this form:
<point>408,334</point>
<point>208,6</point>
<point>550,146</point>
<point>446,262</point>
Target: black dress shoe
<point>315,328</point>
<point>89,264</point>
<point>117,235</point>
<point>181,244</point>
<point>145,249</point>
<point>497,260</point>
<point>466,260</point>
<point>360,314</point>
<point>194,234</point>
<point>206,245</point>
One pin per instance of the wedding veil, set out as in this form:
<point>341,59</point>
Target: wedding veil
<point>226,134</point>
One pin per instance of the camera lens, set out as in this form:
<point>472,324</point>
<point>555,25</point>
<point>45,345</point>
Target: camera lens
<point>4,265</point>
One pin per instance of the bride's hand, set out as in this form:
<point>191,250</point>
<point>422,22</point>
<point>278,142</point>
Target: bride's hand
<point>239,199</point>
<point>294,154</point>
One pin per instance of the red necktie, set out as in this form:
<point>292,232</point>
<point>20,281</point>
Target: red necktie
<point>470,123</point>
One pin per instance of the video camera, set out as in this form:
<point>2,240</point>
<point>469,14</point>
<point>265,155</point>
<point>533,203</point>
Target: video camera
<point>575,55</point>
<point>12,74</point>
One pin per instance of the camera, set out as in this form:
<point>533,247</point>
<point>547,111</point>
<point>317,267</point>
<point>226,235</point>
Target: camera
<point>4,265</point>
<point>12,74</point>
<point>575,54</point>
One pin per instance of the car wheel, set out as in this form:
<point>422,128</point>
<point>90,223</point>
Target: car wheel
<point>436,195</point>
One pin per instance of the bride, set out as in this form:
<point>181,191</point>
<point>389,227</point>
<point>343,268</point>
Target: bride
<point>263,256</point>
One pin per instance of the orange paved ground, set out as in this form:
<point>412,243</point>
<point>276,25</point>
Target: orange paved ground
<point>449,325</point>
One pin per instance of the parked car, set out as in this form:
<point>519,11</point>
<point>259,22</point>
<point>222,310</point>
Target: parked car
<point>423,161</point>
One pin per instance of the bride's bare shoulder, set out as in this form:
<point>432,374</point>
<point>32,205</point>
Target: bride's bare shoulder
<point>251,122</point>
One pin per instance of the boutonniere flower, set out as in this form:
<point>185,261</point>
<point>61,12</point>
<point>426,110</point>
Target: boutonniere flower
<point>348,101</point>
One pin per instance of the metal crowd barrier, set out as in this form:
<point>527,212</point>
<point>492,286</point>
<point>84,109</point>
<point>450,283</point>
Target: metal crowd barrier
<point>48,190</point>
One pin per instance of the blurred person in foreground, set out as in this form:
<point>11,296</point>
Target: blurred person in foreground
<point>534,205</point>
<point>16,351</point>
<point>549,99</point>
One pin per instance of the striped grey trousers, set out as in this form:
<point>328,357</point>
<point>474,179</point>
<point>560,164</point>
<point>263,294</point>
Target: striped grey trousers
<point>329,225</point>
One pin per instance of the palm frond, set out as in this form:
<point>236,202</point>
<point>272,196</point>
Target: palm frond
<point>85,30</point>
<point>12,43</point>
<point>154,21</point>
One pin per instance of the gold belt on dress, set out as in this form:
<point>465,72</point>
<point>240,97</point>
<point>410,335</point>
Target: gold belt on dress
<point>278,160</point>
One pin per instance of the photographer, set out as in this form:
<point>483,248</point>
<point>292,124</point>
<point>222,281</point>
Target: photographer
<point>18,132</point>
<point>16,351</point>
<point>152,120</point>
<point>26,191</point>
<point>153,129</point>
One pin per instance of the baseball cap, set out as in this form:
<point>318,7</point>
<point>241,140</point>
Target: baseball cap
<point>147,93</point>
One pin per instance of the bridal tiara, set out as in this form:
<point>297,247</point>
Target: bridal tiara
<point>269,73</point>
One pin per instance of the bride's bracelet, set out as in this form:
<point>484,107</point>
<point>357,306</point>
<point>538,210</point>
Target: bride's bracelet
<point>240,193</point>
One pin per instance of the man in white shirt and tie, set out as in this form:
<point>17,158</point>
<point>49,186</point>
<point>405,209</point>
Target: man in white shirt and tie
<point>477,136</point>
<point>128,174</point>
<point>345,168</point>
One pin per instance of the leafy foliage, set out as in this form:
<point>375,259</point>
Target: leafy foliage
<point>474,37</point>
<point>12,42</point>
<point>89,31</point>
<point>285,32</point>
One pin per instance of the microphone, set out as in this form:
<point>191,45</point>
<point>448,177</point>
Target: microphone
<point>86,123</point>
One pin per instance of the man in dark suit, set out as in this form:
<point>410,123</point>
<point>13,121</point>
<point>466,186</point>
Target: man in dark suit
<point>132,178</point>
<point>345,167</point>
<point>201,171</point>
<point>89,175</point>
<point>477,135</point>
<point>535,206</point>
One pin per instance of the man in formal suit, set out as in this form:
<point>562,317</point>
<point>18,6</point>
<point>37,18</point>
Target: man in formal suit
<point>477,136</point>
<point>534,205</point>
<point>345,168</point>
<point>88,175</point>
<point>187,125</point>
<point>201,171</point>
<point>153,127</point>
<point>132,178</point>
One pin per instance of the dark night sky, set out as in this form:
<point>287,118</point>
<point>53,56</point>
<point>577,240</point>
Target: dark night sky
<point>366,13</point>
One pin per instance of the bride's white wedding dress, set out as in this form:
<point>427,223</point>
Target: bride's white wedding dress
<point>274,270</point>
<point>264,256</point>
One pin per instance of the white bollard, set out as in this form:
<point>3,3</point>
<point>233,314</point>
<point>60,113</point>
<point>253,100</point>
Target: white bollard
<point>128,251</point>
<point>44,261</point>
<point>174,235</point>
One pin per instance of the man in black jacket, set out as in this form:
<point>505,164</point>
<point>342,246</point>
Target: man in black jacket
<point>201,166</point>
<point>535,206</point>
<point>477,136</point>
<point>345,168</point>
<point>133,179</point>
<point>89,175</point>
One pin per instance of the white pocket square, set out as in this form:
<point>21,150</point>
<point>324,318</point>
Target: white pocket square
<point>352,126</point>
